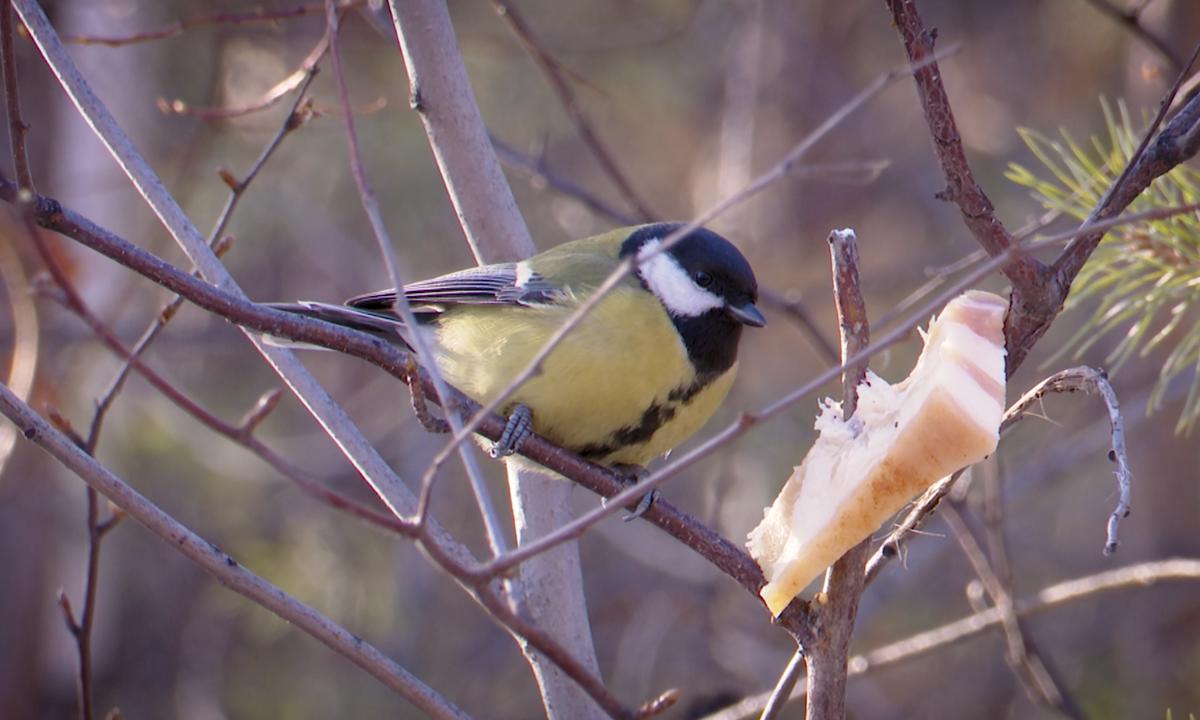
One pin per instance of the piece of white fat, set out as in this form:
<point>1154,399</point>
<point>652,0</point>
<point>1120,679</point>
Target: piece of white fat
<point>904,437</point>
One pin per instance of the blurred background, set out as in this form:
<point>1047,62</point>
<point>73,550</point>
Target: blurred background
<point>693,98</point>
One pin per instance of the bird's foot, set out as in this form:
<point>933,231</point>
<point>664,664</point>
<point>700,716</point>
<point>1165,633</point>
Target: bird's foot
<point>518,427</point>
<point>632,475</point>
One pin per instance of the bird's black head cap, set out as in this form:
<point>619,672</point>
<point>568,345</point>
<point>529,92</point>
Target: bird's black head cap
<point>706,285</point>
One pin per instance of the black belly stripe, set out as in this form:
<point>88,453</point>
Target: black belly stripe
<point>653,418</point>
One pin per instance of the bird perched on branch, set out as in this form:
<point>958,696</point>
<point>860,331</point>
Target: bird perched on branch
<point>642,372</point>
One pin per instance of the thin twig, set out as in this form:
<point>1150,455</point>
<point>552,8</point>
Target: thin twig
<point>81,627</point>
<point>570,104</point>
<point>332,417</point>
<point>296,117</point>
<point>221,565</point>
<point>274,94</point>
<point>1094,382</point>
<point>1032,671</point>
<point>23,363</point>
<point>1063,593</point>
<point>420,341</point>
<point>1131,21</point>
<point>782,692</point>
<point>179,27</point>
<point>542,176</point>
<point>977,210</point>
<point>837,605</point>
<point>796,311</point>
<point>1178,141</point>
<point>17,127</point>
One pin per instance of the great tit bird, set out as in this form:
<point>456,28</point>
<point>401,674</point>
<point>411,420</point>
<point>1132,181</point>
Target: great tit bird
<point>642,372</point>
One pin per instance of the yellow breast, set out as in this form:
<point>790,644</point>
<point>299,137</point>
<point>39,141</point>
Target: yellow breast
<point>616,390</point>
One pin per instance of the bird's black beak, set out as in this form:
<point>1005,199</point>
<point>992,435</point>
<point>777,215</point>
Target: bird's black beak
<point>746,314</point>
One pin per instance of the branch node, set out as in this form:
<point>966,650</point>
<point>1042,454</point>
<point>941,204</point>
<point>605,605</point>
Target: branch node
<point>658,705</point>
<point>262,408</point>
<point>222,245</point>
<point>230,181</point>
<point>64,603</point>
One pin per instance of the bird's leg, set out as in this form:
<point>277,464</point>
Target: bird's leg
<point>632,475</point>
<point>518,427</point>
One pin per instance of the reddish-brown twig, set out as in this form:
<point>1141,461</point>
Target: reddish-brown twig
<point>837,606</point>
<point>223,566</point>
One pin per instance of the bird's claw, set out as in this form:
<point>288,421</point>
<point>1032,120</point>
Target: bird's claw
<point>518,427</point>
<point>632,475</point>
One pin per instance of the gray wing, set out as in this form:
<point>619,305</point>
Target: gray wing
<point>500,284</point>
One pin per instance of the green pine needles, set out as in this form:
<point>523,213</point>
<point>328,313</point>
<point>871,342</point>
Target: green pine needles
<point>1145,276</point>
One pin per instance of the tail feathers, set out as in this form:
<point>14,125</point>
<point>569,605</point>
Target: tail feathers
<point>386,326</point>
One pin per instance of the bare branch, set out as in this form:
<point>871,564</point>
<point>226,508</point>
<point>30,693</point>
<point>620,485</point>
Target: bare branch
<point>1038,290</point>
<point>420,341</point>
<point>274,94</point>
<point>81,626</point>
<point>1094,382</point>
<point>1145,165</point>
<point>441,94</point>
<point>570,104</point>
<point>23,364</point>
<point>179,27</point>
<point>1131,21</point>
<point>781,694</point>
<point>332,417</point>
<point>1130,577</point>
<point>221,565</point>
<point>17,127</point>
<point>977,210</point>
<point>220,244</point>
<point>796,311</point>
<point>1031,669</point>
<point>837,605</point>
<point>542,176</point>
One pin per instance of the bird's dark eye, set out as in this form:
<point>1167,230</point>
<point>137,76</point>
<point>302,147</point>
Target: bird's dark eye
<point>703,279</point>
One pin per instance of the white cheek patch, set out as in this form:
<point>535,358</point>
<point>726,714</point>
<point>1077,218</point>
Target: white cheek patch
<point>667,279</point>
